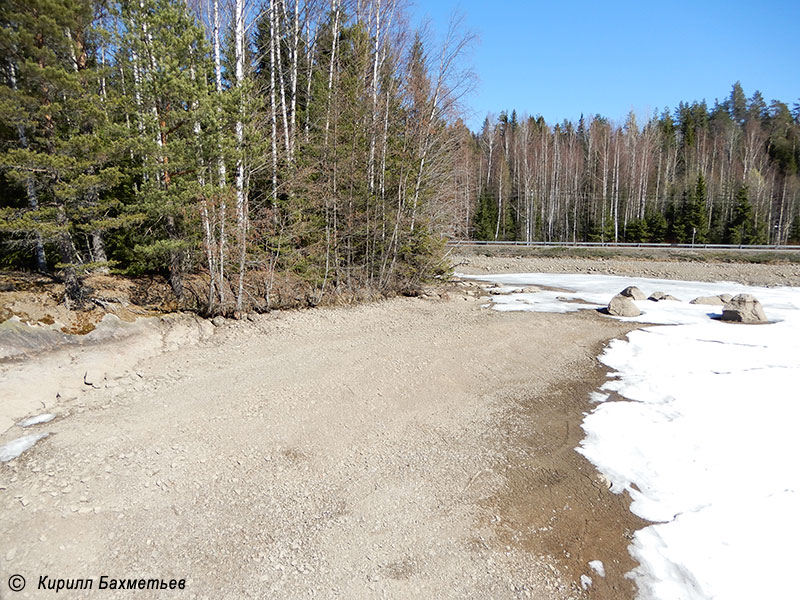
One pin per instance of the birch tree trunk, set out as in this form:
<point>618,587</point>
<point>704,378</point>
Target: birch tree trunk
<point>241,194</point>
<point>221,169</point>
<point>279,65</point>
<point>273,107</point>
<point>335,39</point>
<point>293,79</point>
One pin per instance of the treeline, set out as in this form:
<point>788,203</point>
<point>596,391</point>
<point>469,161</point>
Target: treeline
<point>286,143</point>
<point>729,173</point>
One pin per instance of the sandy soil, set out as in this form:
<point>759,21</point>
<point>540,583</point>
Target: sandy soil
<point>413,448</point>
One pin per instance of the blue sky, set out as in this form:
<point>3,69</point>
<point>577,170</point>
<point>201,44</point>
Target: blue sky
<point>561,59</point>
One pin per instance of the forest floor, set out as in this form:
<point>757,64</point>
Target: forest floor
<point>415,447</point>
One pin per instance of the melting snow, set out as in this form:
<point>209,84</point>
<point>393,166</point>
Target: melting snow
<point>598,397</point>
<point>45,418</point>
<point>704,440</point>
<point>14,448</point>
<point>597,567</point>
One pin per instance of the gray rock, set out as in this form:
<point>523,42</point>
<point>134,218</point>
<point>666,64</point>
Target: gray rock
<point>499,291</point>
<point>725,297</point>
<point>711,300</point>
<point>218,321</point>
<point>659,296</point>
<point>744,308</point>
<point>634,293</point>
<point>623,306</point>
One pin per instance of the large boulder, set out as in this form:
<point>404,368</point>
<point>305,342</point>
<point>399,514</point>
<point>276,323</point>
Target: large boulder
<point>725,297</point>
<point>710,300</point>
<point>634,293</point>
<point>659,296</point>
<point>744,308</point>
<point>623,306</point>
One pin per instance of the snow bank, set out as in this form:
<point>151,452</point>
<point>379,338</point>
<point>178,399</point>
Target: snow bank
<point>704,442</point>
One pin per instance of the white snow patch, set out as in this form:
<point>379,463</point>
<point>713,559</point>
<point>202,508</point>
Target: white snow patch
<point>597,397</point>
<point>14,448</point>
<point>44,418</point>
<point>586,582</point>
<point>597,567</point>
<point>704,440</point>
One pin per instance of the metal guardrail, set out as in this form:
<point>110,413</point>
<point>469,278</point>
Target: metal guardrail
<point>754,247</point>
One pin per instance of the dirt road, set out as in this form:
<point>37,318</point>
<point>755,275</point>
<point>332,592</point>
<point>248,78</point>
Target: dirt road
<point>470,260</point>
<point>412,448</point>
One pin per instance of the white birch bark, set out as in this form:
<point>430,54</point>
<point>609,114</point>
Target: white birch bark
<point>335,38</point>
<point>279,64</point>
<point>373,132</point>
<point>221,170</point>
<point>273,107</point>
<point>241,195</point>
<point>293,79</point>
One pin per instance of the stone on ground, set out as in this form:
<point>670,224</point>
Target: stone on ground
<point>659,296</point>
<point>711,300</point>
<point>623,306</point>
<point>633,292</point>
<point>744,308</point>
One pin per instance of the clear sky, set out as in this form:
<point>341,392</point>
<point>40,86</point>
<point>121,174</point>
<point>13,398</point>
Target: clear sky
<point>561,59</point>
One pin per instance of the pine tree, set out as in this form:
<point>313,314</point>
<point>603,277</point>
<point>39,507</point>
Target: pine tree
<point>170,94</point>
<point>60,147</point>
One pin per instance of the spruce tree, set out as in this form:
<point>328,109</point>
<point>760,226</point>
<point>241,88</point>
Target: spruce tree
<point>637,232</point>
<point>657,226</point>
<point>794,230</point>
<point>696,219</point>
<point>741,229</point>
<point>485,217</point>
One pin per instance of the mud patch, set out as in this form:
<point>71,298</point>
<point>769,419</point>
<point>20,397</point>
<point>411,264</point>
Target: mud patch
<point>554,502</point>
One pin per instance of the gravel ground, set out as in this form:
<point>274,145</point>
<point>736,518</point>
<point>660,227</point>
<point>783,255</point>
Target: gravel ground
<point>779,274</point>
<point>413,448</point>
